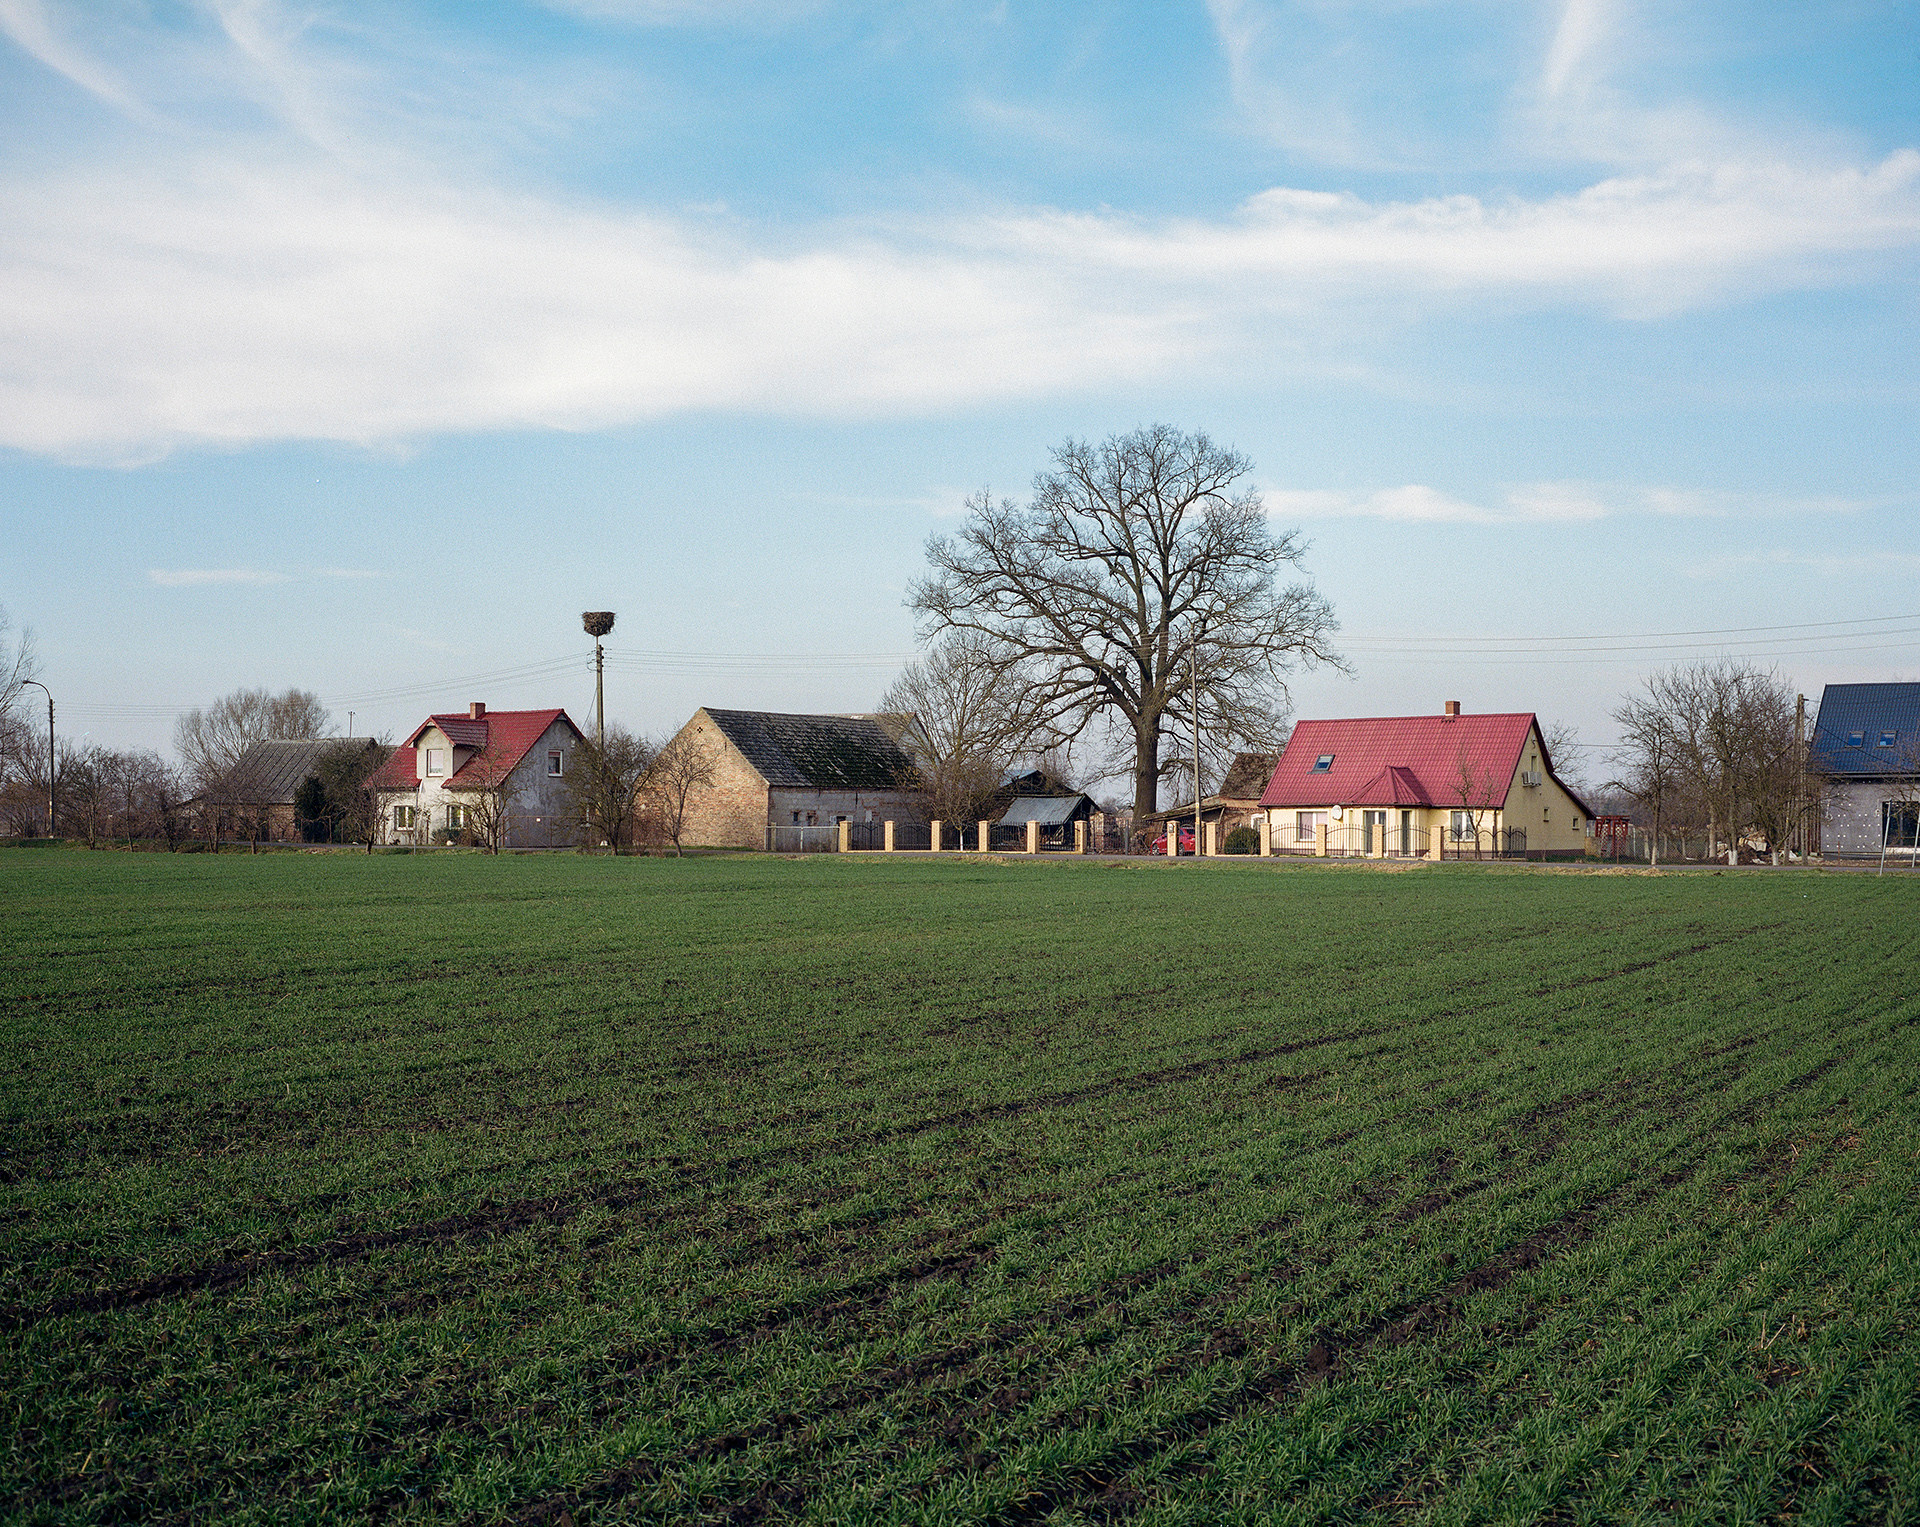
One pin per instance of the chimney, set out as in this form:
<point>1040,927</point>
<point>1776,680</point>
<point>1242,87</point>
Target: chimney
<point>1453,709</point>
<point>477,710</point>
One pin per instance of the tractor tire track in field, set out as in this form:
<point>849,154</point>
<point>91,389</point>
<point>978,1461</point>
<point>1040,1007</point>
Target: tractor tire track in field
<point>932,1417</point>
<point>507,1219</point>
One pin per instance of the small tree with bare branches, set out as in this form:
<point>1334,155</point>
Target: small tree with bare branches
<point>681,766</point>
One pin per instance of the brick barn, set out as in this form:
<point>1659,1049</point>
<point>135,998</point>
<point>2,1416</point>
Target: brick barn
<point>781,780</point>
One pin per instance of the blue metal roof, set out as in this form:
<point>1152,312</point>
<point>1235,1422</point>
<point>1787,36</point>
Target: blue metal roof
<point>1866,729</point>
<point>1047,810</point>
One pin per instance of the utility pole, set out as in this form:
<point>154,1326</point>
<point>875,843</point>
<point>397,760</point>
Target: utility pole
<point>1800,775</point>
<point>597,624</point>
<point>52,818</point>
<point>1193,674</point>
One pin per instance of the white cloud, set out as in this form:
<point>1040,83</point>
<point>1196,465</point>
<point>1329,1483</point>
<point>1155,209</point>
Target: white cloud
<point>194,577</point>
<point>149,307</point>
<point>28,26</point>
<point>1546,503</point>
<point>690,12</point>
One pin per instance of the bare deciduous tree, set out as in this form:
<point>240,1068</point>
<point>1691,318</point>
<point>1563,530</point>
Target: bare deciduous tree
<point>1133,557</point>
<point>210,741</point>
<point>603,783</point>
<point>682,765</point>
<point>970,721</point>
<point>348,775</point>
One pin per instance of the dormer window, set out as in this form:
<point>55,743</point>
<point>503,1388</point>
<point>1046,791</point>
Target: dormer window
<point>436,761</point>
<point>1323,763</point>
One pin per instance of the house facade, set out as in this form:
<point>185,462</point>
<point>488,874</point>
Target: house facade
<point>496,777</point>
<point>1398,786</point>
<point>1865,752</point>
<point>781,780</point>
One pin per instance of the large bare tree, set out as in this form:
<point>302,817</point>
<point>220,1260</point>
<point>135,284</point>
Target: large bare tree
<point>1142,575</point>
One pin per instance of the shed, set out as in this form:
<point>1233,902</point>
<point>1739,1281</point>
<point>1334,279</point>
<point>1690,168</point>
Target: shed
<point>1056,815</point>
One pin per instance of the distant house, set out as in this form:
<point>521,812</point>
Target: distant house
<point>781,781</point>
<point>497,775</point>
<point>255,798</point>
<point>1386,784</point>
<point>1865,750</point>
<point>1236,803</point>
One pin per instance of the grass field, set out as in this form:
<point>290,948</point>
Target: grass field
<point>455,1188</point>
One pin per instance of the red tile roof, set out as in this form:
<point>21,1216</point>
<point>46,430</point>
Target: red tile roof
<point>401,771</point>
<point>501,739</point>
<point>1401,761</point>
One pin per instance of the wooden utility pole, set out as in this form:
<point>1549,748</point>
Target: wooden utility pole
<point>1800,774</point>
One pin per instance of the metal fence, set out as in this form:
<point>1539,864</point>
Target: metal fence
<point>823,839</point>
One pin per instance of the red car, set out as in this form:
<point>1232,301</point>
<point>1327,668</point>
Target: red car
<point>1186,842</point>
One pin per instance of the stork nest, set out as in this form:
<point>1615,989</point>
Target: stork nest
<point>597,622</point>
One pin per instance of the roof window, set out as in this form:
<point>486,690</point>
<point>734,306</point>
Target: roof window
<point>1856,739</point>
<point>1323,763</point>
<point>1887,739</point>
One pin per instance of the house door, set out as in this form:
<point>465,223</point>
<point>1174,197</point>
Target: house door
<point>1373,823</point>
<point>1406,833</point>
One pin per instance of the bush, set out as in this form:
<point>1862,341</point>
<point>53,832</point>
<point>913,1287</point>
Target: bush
<point>1242,840</point>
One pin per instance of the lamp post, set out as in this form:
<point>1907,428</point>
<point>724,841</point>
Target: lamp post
<point>51,818</point>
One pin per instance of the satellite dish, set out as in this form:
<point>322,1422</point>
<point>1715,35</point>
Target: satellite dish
<point>1337,812</point>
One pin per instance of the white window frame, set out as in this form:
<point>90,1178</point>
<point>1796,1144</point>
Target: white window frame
<point>403,819</point>
<point>555,763</point>
<point>436,762</point>
<point>1307,825</point>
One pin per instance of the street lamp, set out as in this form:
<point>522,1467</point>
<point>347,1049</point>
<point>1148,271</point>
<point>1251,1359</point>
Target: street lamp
<point>51,819</point>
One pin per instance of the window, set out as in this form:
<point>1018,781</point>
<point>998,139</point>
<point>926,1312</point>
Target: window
<point>403,818</point>
<point>1900,824</point>
<point>458,818</point>
<point>796,819</point>
<point>1856,739</point>
<point>1307,824</point>
<point>1460,827</point>
<point>1323,763</point>
<point>553,762</point>
<point>1887,739</point>
<point>436,761</point>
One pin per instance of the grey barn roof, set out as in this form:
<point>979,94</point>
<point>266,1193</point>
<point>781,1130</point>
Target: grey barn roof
<point>268,773</point>
<point>817,752</point>
<point>1047,810</point>
<point>1871,711</point>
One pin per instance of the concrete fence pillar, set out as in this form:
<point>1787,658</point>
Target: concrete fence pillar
<point>1437,849</point>
<point>889,837</point>
<point>1320,840</point>
<point>1033,837</point>
<point>1379,836</point>
<point>1266,836</point>
<point>1173,837</point>
<point>846,836</point>
<point>1212,839</point>
<point>1080,836</point>
<point>934,839</point>
<point>986,836</point>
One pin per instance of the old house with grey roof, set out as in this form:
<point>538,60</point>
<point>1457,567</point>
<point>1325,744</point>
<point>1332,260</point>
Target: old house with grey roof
<point>785,781</point>
<point>255,798</point>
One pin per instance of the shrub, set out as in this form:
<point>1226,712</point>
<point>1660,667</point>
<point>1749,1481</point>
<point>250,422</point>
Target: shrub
<point>1242,840</point>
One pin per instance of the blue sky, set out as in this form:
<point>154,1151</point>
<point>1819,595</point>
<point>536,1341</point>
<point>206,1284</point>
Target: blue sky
<point>361,347</point>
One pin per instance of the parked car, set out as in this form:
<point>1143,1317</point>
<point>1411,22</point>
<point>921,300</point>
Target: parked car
<point>1186,842</point>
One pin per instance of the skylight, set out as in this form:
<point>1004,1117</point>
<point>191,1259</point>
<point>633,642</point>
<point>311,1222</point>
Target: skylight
<point>1886,739</point>
<point>1856,739</point>
<point>1323,763</point>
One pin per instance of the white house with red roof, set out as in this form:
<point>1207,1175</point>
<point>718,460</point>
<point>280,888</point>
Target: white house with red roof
<point>498,777</point>
<point>1402,786</point>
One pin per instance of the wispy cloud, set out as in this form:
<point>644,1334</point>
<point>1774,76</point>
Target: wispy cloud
<point>1548,503</point>
<point>28,25</point>
<point>286,285</point>
<point>194,577</point>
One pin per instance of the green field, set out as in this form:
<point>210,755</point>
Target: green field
<point>457,1188</point>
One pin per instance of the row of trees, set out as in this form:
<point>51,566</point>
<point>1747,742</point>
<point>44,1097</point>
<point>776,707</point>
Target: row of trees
<point>1714,750</point>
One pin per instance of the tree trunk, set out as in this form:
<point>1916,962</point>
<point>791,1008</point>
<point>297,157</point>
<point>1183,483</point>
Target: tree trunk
<point>1146,770</point>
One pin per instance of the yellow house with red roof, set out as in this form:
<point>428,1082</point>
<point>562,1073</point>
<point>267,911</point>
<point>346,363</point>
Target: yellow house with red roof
<point>498,778</point>
<point>1404,787</point>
